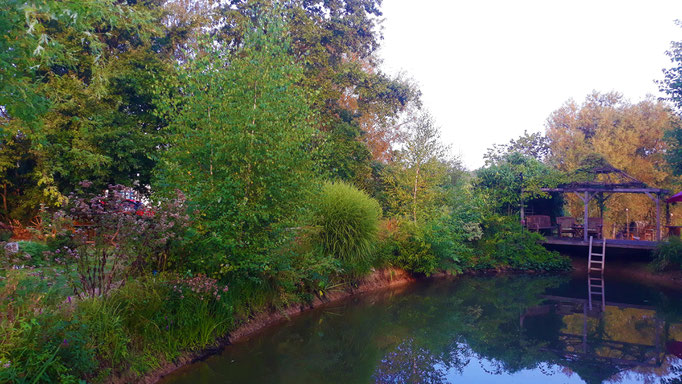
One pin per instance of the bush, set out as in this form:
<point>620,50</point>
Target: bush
<point>507,244</point>
<point>668,255</point>
<point>32,252</point>
<point>348,220</point>
<point>5,235</point>
<point>415,253</point>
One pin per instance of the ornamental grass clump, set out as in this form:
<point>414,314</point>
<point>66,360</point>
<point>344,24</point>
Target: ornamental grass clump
<point>668,255</point>
<point>347,220</point>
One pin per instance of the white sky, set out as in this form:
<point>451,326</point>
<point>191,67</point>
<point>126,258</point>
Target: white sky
<point>490,69</point>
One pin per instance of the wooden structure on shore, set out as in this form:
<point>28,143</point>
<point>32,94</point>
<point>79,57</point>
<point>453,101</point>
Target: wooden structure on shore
<point>642,245</point>
<point>614,181</point>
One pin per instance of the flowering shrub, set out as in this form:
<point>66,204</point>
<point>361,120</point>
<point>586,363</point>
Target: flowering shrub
<point>200,286</point>
<point>108,239</point>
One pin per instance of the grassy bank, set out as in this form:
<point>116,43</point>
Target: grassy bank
<point>145,292</point>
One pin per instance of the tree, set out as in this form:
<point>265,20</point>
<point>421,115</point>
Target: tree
<point>514,179</point>
<point>671,84</point>
<point>75,92</point>
<point>535,145</point>
<point>241,134</point>
<point>357,104</point>
<point>420,167</point>
<point>627,136</point>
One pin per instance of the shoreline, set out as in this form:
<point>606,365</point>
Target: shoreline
<point>379,279</point>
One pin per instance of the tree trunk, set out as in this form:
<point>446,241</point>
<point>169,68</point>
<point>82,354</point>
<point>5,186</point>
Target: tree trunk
<point>414,196</point>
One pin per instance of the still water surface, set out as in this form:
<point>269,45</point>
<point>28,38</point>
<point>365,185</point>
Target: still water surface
<point>509,329</point>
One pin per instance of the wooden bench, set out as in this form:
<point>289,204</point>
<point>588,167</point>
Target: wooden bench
<point>537,223</point>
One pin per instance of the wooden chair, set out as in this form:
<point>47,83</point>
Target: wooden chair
<point>594,227</point>
<point>565,225</point>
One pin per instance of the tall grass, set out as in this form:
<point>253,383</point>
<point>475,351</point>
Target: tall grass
<point>348,221</point>
<point>668,254</point>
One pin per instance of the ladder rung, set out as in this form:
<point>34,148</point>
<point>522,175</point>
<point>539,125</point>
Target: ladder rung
<point>598,254</point>
<point>597,261</point>
<point>595,269</point>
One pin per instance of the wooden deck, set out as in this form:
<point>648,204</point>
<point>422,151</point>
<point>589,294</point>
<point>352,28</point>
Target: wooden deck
<point>610,243</point>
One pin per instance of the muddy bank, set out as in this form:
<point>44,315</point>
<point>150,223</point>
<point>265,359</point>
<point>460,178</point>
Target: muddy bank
<point>381,279</point>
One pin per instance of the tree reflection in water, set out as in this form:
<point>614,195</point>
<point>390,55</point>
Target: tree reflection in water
<point>510,325</point>
<point>530,329</point>
<point>410,363</point>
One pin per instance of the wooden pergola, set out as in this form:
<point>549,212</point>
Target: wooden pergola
<point>615,181</point>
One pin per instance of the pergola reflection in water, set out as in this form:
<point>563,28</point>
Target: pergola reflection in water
<point>610,337</point>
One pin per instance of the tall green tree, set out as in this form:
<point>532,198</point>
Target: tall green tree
<point>75,91</point>
<point>535,145</point>
<point>514,179</point>
<point>671,85</point>
<point>241,140</point>
<point>336,43</point>
<point>420,168</point>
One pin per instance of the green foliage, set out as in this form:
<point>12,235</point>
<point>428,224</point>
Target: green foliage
<point>413,252</point>
<point>535,145</point>
<point>5,235</point>
<point>40,338</point>
<point>671,84</point>
<point>673,153</point>
<point>507,244</point>
<point>32,252</point>
<point>241,140</point>
<point>75,96</point>
<point>337,42</point>
<point>421,167</point>
<point>668,254</point>
<point>515,178</point>
<point>348,220</point>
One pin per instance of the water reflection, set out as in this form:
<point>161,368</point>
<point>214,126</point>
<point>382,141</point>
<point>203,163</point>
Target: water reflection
<point>502,329</point>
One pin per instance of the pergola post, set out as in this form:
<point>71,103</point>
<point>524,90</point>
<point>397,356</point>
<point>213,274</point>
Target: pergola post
<point>657,200</point>
<point>658,217</point>
<point>586,200</point>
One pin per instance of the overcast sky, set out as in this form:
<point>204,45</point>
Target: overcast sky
<point>489,70</point>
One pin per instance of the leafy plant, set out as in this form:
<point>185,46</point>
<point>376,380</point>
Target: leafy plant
<point>348,220</point>
<point>31,252</point>
<point>241,132</point>
<point>668,254</point>
<point>506,244</point>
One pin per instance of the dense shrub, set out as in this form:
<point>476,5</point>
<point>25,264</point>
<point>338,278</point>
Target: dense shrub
<point>506,244</point>
<point>668,254</point>
<point>31,252</point>
<point>414,252</point>
<point>347,220</point>
<point>5,235</point>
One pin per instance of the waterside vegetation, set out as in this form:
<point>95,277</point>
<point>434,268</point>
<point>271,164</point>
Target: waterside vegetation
<point>172,171</point>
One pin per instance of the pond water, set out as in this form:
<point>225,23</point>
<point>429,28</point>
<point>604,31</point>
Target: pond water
<point>503,329</point>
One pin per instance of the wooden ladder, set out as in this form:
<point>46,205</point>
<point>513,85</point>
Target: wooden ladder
<point>600,263</point>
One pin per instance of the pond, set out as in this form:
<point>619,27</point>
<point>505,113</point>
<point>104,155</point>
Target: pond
<point>502,329</point>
